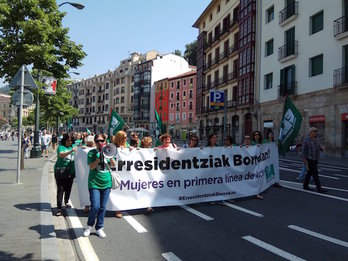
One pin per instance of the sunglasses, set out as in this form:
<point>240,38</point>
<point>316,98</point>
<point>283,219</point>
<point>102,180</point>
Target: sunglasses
<point>247,138</point>
<point>100,141</point>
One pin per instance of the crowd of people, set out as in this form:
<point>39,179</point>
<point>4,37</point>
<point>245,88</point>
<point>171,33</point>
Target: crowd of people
<point>99,178</point>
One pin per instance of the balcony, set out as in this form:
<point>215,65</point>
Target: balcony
<point>340,77</point>
<point>341,28</point>
<point>288,51</point>
<point>287,88</point>
<point>288,14</point>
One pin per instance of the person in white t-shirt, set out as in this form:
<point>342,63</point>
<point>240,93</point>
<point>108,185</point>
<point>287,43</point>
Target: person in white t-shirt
<point>45,141</point>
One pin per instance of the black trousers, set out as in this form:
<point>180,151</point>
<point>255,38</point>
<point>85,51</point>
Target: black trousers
<point>312,172</point>
<point>63,188</point>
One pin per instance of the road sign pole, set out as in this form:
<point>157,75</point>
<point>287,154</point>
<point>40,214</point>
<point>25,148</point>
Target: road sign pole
<point>20,108</point>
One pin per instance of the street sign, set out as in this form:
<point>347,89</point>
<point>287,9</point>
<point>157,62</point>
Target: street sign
<point>28,98</point>
<point>50,85</point>
<point>216,100</point>
<point>28,80</point>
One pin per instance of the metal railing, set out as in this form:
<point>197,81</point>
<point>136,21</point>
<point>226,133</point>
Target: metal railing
<point>340,26</point>
<point>288,88</point>
<point>340,77</point>
<point>287,50</point>
<point>288,11</point>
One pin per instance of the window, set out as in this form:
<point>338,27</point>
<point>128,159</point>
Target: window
<point>316,65</point>
<point>270,14</point>
<point>269,47</point>
<point>317,22</point>
<point>268,81</point>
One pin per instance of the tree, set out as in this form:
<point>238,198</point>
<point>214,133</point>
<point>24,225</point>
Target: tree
<point>177,52</point>
<point>52,107</point>
<point>190,53</point>
<point>31,32</point>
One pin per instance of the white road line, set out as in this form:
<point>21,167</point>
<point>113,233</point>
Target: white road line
<point>197,213</point>
<point>170,256</point>
<point>319,165</point>
<point>85,245</point>
<point>135,224</point>
<point>320,236</point>
<point>291,170</point>
<point>243,209</point>
<point>272,249</point>
<point>328,177</point>
<point>298,171</point>
<point>343,176</point>
<point>312,192</point>
<point>323,168</point>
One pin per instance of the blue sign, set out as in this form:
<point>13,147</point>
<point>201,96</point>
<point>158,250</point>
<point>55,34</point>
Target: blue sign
<point>217,100</point>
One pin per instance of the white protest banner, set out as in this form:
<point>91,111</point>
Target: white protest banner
<point>169,177</point>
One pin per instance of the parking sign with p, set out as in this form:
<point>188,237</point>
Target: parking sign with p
<point>216,100</point>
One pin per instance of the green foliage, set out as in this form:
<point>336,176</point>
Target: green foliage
<point>177,52</point>
<point>190,53</point>
<point>54,106</point>
<point>31,32</point>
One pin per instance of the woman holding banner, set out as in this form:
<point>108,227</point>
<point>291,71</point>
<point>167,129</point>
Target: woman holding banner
<point>99,186</point>
<point>120,140</point>
<point>167,143</point>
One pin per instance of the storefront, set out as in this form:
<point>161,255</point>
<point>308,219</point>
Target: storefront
<point>318,121</point>
<point>345,134</point>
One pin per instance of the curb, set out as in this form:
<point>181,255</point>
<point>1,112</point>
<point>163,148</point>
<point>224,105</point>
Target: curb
<point>49,246</point>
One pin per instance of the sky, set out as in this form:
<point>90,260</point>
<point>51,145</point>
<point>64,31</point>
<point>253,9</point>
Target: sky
<point>110,30</point>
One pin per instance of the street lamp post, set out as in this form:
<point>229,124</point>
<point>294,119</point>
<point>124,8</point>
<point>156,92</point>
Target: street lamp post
<point>36,150</point>
<point>76,5</point>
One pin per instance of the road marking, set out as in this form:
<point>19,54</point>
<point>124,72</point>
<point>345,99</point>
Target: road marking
<point>242,209</point>
<point>170,256</point>
<point>135,224</point>
<point>320,236</point>
<point>298,171</point>
<point>319,165</point>
<point>311,192</point>
<point>85,245</point>
<point>343,176</point>
<point>328,177</point>
<point>291,170</point>
<point>272,249</point>
<point>323,168</point>
<point>197,213</point>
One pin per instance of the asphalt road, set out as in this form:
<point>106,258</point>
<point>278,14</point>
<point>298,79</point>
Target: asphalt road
<point>288,224</point>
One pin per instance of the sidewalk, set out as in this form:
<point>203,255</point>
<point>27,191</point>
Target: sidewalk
<point>27,228</point>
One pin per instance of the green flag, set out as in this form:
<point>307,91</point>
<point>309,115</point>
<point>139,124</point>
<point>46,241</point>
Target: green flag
<point>70,125</point>
<point>116,123</point>
<point>159,127</point>
<point>88,131</point>
<point>290,125</point>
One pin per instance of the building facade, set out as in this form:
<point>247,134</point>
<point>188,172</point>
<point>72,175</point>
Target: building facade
<point>226,62</point>
<point>303,51</point>
<point>7,110</point>
<point>147,73</point>
<point>182,118</point>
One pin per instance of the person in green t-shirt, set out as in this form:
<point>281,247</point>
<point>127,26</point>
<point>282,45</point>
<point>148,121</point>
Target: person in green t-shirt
<point>99,186</point>
<point>65,159</point>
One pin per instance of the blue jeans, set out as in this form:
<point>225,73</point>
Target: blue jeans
<point>302,175</point>
<point>99,198</point>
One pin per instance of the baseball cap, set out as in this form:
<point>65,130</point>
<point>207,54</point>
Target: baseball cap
<point>312,129</point>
